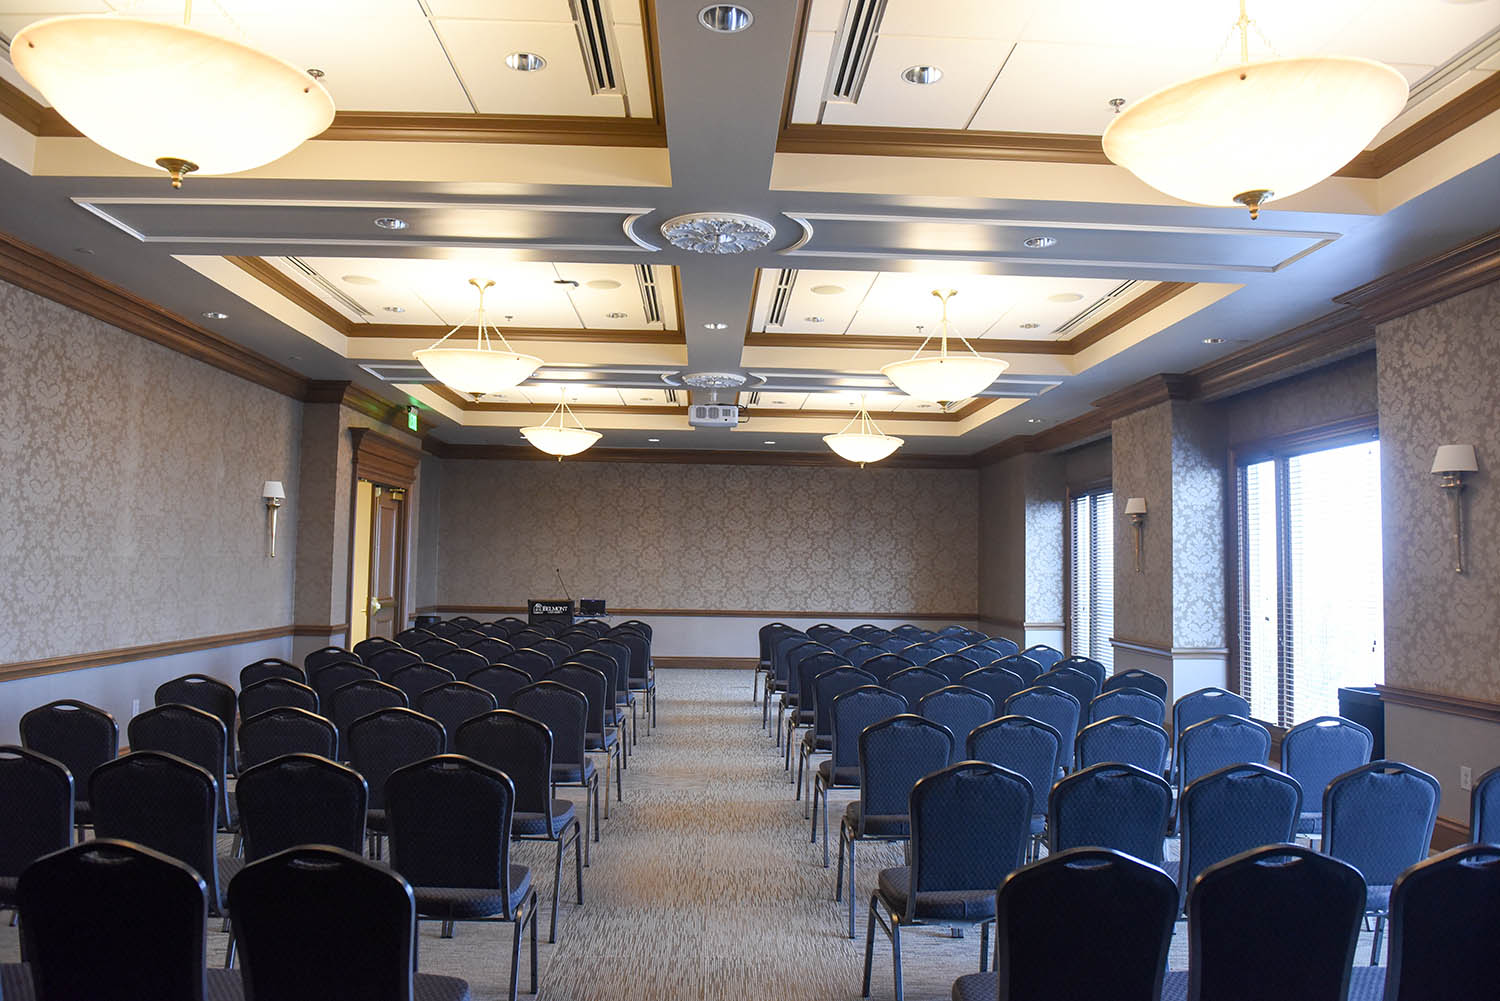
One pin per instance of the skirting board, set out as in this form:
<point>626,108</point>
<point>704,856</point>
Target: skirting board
<point>729,663</point>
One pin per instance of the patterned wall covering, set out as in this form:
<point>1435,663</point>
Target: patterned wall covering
<point>1142,467</point>
<point>1197,527</point>
<point>1087,464</point>
<point>1336,392</point>
<point>1045,496</point>
<point>430,476</point>
<point>1002,542</point>
<point>1439,368</point>
<point>710,537</point>
<point>131,490</point>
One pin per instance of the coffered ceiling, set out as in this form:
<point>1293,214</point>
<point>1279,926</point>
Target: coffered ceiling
<point>990,181</point>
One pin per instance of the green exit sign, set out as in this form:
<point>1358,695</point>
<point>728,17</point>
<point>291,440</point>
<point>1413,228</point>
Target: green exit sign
<point>411,418</point>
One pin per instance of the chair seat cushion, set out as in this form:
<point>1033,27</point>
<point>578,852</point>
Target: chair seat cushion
<point>935,905</point>
<point>846,777</point>
<point>879,825</point>
<point>83,813</point>
<point>649,685</point>
<point>817,741</point>
<point>573,773</point>
<point>228,869</point>
<point>1377,898</point>
<point>1172,867</point>
<point>790,699</point>
<point>534,825</point>
<point>463,903</point>
<point>1039,824</point>
<point>228,985</point>
<point>977,987</point>
<point>594,742</point>
<point>375,821</point>
<point>431,987</point>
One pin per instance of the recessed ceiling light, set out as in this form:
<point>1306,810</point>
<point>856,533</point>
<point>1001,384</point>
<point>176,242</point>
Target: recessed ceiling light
<point>716,326</point>
<point>390,222</point>
<point>1030,326</point>
<point>813,319</point>
<point>603,283</point>
<point>525,62</point>
<point>653,439</point>
<point>82,250</point>
<point>725,18</point>
<point>1039,242</point>
<point>1065,297</point>
<point>770,443</point>
<point>827,289</point>
<point>616,315</point>
<point>360,280</point>
<point>394,309</point>
<point>1213,340</point>
<point>645,399</point>
<point>214,314</point>
<point>1033,420</point>
<point>921,74</point>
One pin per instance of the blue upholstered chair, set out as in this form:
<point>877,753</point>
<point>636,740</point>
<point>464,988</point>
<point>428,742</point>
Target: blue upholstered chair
<point>922,653</point>
<point>273,693</point>
<point>861,652</point>
<point>1135,702</point>
<point>455,703</point>
<point>1195,707</point>
<point>460,663</point>
<point>1087,665</point>
<point>823,632</point>
<point>1379,818</point>
<point>1044,655</point>
<point>853,710</point>
<point>996,682</point>
<point>1317,752</point>
<point>970,827</point>
<point>893,755</point>
<point>1445,920</point>
<point>1136,678</point>
<point>360,698</point>
<point>1016,663</point>
<point>1114,806</point>
<point>952,665</point>
<point>1231,811</point>
<point>1028,747</point>
<point>1123,740</point>
<point>981,654</point>
<point>789,685</point>
<point>1484,809</point>
<point>301,799</point>
<point>915,682</point>
<point>1218,742</point>
<point>212,696</point>
<point>502,681</point>
<point>806,666</point>
<point>327,680</point>
<point>948,643</point>
<point>1003,646</point>
<point>388,660</point>
<point>415,679</point>
<point>1054,707</point>
<point>768,634</point>
<point>1078,684</point>
<point>324,656</point>
<point>38,817</point>
<point>818,738</point>
<point>1086,923</point>
<point>271,667</point>
<point>382,742</point>
<point>962,710</point>
<point>884,665</point>
<point>286,730</point>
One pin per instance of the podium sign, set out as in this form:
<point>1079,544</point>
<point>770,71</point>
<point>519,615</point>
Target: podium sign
<point>549,610</point>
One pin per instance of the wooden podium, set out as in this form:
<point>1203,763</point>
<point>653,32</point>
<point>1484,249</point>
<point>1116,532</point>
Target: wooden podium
<point>558,610</point>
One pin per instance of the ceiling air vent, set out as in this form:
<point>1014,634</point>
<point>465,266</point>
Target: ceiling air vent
<point>646,277</point>
<point>327,286</point>
<point>853,48</point>
<point>781,297</point>
<point>596,39</point>
<point>1103,302</point>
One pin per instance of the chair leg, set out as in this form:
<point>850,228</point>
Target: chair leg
<point>817,785</point>
<point>515,958</point>
<point>229,952</point>
<point>607,756</point>
<point>595,786</point>
<point>580,842</point>
<point>825,826</point>
<point>556,890</point>
<point>447,930</point>
<point>869,945</point>
<point>851,888</point>
<point>533,942</point>
<point>984,947</point>
<point>1375,943</point>
<point>620,771</point>
<point>896,953</point>
<point>780,720</point>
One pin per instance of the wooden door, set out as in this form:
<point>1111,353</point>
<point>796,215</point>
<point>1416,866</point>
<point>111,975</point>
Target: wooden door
<point>387,575</point>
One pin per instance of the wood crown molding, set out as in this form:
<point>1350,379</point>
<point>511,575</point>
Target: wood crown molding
<point>1452,705</point>
<point>725,613</point>
<point>691,456</point>
<point>148,651</point>
<point>360,400</point>
<point>384,460</point>
<point>1429,281</point>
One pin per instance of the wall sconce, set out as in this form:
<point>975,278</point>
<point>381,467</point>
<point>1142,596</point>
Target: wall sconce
<point>274,494</point>
<point>1135,510</point>
<point>1453,461</point>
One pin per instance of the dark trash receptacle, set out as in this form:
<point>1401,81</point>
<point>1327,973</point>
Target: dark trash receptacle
<point>423,621</point>
<point>1364,707</point>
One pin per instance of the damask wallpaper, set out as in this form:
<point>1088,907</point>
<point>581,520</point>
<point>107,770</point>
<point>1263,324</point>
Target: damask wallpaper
<point>1438,369</point>
<point>1198,463</point>
<point>1142,467</point>
<point>1343,390</point>
<point>1045,495</point>
<point>710,537</point>
<point>132,489</point>
<point>1002,542</point>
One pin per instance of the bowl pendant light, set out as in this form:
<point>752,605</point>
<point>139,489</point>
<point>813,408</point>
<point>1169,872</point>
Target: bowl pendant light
<point>482,369</point>
<point>944,377</point>
<point>1256,131</point>
<point>559,439</point>
<point>867,444</point>
<point>170,95</point>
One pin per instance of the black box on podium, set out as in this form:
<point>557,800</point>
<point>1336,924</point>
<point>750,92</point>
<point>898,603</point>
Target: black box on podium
<point>558,610</point>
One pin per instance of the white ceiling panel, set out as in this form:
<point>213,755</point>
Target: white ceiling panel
<point>836,308</point>
<point>996,19</point>
<point>907,405</point>
<point>825,15</point>
<point>781,401</point>
<point>812,76</point>
<point>478,50</point>
<point>631,39</point>
<point>969,66</point>
<point>503,10</point>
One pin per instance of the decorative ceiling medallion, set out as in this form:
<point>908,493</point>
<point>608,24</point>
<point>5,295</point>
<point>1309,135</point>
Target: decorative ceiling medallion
<point>713,380</point>
<point>717,232</point>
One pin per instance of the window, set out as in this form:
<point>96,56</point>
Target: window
<point>1308,573</point>
<point>1092,576</point>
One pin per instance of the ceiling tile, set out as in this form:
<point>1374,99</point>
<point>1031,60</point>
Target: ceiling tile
<point>957,18</point>
<point>812,76</point>
<point>836,308</point>
<point>635,73</point>
<point>969,66</point>
<point>478,50</point>
<point>504,10</point>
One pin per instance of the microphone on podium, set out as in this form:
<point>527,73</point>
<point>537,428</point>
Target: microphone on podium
<point>558,571</point>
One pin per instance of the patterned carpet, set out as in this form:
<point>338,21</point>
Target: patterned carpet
<point>705,885</point>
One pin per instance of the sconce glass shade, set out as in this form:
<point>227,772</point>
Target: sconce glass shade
<point>1135,505</point>
<point>1455,459</point>
<point>273,490</point>
<point>150,91</point>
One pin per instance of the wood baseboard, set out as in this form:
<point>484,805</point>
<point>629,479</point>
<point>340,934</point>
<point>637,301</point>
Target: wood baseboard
<point>730,663</point>
<point>150,651</point>
<point>1449,834</point>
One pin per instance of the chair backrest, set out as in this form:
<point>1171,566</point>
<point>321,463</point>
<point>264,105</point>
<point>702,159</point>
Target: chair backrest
<point>853,710</point>
<point>446,628</point>
<point>1379,818</point>
<point>501,681</point>
<point>209,694</point>
<point>781,647</point>
<point>81,736</point>
<point>1054,707</point>
<point>796,656</point>
<point>1123,740</point>
<point>461,663</point>
<point>164,802</point>
<point>316,922</point>
<point>1135,702</point>
<point>286,730</point>
<point>616,649</point>
<point>1445,920</point>
<point>468,637</point>
<point>844,641</point>
<point>561,709</point>
<point>614,670</point>
<point>38,815</point>
<point>962,710</point>
<point>1084,923</point>
<point>455,703</point>
<point>387,740</point>
<point>519,746</point>
<point>996,682</point>
<point>1023,745</point>
<point>1231,811</point>
<point>953,666</point>
<point>535,663</point>
<point>388,661</point>
<point>525,637</point>
<point>1280,921</point>
<point>829,685</point>
<point>1136,678</point>
<point>512,624</point>
<point>1320,750</point>
<point>1120,807</point>
<point>923,653</point>
<point>806,671</point>
<point>416,634</point>
<point>1002,645</point>
<point>824,631</point>
<point>1205,703</point>
<point>554,648</point>
<point>1484,809</point>
<point>914,682</point>
<point>1087,665</point>
<point>768,634</point>
<point>883,665</point>
<point>895,643</point>
<point>370,644</point>
<point>414,679</point>
<point>1028,669</point>
<point>111,921</point>
<point>326,680</point>
<point>640,653</point>
<point>493,650</point>
<point>594,685</point>
<point>949,643</point>
<point>970,824</point>
<point>1044,655</point>
<point>1076,683</point>
<point>465,621</point>
<point>893,754</point>
<point>1218,742</point>
<point>980,654</point>
<point>301,799</point>
<point>189,733</point>
<point>360,698</point>
<point>270,667</point>
<point>273,693</point>
<point>433,647</point>
<point>597,627</point>
<point>643,627</point>
<point>495,629</point>
<point>450,819</point>
<point>324,656</point>
<point>857,654</point>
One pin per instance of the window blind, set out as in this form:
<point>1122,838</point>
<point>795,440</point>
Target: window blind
<point>1092,576</point>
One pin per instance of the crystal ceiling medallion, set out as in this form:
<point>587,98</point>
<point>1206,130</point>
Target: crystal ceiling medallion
<point>865,444</point>
<point>717,232</point>
<point>713,380</point>
<point>484,368</point>
<point>944,377</point>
